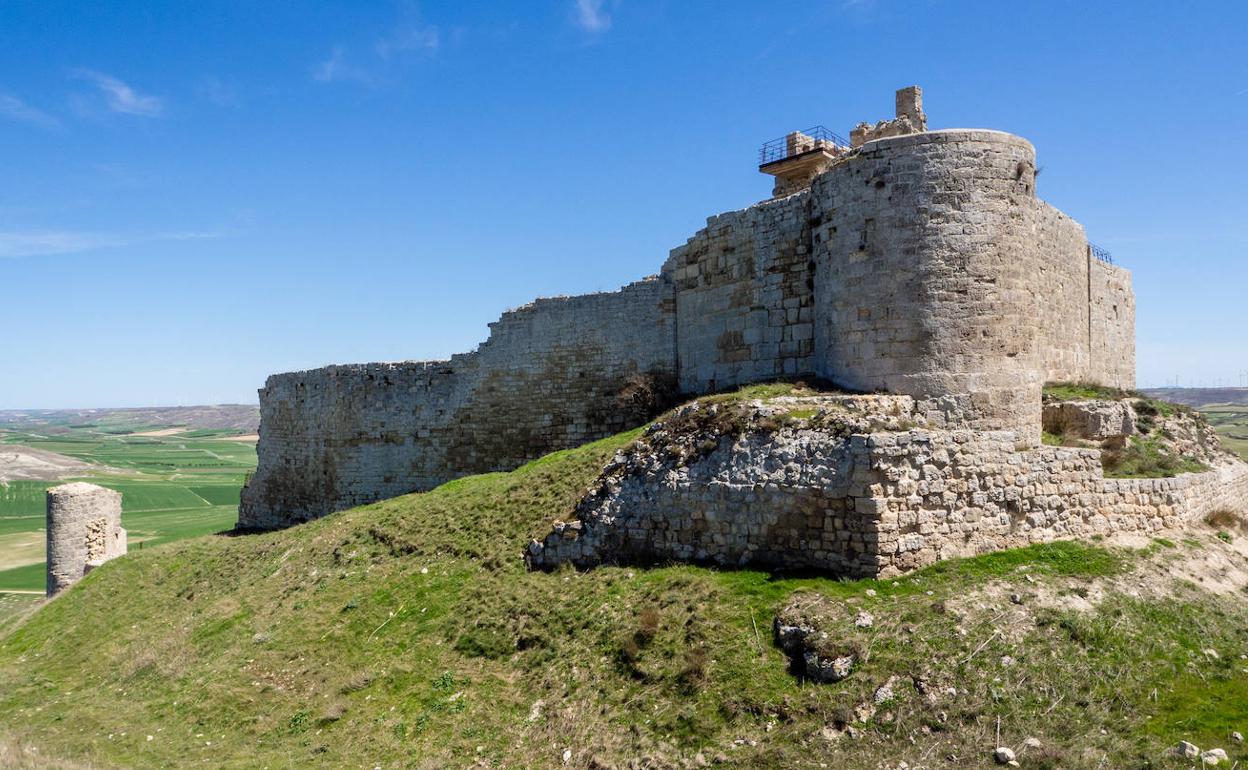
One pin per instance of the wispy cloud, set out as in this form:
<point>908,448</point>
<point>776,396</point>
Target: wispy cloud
<point>337,69</point>
<point>411,37</point>
<point>1241,92</point>
<point>15,109</point>
<point>591,16</point>
<point>379,65</point>
<point>42,243</point>
<point>121,97</point>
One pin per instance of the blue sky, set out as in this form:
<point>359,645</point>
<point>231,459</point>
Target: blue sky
<point>195,195</point>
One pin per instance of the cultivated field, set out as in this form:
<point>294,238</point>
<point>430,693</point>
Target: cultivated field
<point>1231,422</point>
<point>177,481</point>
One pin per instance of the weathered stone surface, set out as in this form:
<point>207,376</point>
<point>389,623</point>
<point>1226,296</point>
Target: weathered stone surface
<point>83,531</point>
<point>920,264</point>
<point>1093,420</point>
<point>850,491</point>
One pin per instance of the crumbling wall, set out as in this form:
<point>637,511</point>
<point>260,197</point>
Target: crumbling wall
<point>909,119</point>
<point>744,305</point>
<point>942,494</point>
<point>83,531</point>
<point>816,493</point>
<point>553,374</point>
<point>735,485</point>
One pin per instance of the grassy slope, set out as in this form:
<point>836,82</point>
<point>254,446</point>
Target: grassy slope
<point>408,634</point>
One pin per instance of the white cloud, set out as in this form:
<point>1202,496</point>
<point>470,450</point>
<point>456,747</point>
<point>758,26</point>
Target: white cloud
<point>409,38</point>
<point>16,109</point>
<point>121,97</point>
<point>336,69</point>
<point>43,243</point>
<point>591,17</point>
<point>386,57</point>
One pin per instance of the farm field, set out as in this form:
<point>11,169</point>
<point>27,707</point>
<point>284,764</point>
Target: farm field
<point>1231,423</point>
<point>176,481</point>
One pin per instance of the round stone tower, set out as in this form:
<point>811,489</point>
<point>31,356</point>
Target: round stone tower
<point>84,531</point>
<point>925,275</point>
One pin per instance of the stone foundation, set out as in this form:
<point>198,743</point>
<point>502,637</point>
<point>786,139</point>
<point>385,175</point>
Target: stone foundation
<point>846,485</point>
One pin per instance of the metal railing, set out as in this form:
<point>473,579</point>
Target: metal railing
<point>1100,253</point>
<point>811,139</point>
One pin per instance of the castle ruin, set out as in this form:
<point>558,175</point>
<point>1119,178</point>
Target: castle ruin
<point>83,531</point>
<point>910,262</point>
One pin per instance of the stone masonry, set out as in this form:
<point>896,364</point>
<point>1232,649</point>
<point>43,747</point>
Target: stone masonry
<point>83,531</point>
<point>848,486</point>
<point>919,264</point>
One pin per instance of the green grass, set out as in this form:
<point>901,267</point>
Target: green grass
<point>1231,423</point>
<point>408,633</point>
<point>1081,391</point>
<point>1147,458</point>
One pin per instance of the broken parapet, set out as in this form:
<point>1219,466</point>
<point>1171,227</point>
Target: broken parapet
<point>84,531</point>
<point>910,119</point>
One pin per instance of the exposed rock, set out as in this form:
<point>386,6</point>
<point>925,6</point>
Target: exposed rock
<point>1213,756</point>
<point>1186,750</point>
<point>864,619</point>
<point>1091,420</point>
<point>1003,755</point>
<point>884,693</point>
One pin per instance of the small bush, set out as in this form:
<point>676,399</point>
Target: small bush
<point>1226,519</point>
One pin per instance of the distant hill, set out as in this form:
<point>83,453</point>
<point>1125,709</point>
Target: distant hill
<point>243,418</point>
<point>1199,397</point>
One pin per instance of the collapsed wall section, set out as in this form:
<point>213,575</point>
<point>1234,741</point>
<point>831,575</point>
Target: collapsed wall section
<point>814,494</point>
<point>553,374</point>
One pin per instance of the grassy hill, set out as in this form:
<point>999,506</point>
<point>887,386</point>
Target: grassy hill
<point>409,634</point>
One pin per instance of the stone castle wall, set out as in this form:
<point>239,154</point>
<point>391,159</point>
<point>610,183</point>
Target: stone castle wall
<point>921,265</point>
<point>744,299</point>
<point>553,374</point>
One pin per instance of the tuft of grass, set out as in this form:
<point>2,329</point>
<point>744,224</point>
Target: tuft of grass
<point>1146,458</point>
<point>1226,519</point>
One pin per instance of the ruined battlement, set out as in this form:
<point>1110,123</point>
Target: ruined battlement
<point>918,263</point>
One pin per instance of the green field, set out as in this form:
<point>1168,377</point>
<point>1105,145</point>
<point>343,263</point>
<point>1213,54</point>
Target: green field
<point>1231,422</point>
<point>173,487</point>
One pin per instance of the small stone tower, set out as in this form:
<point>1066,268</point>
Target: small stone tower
<point>84,531</point>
